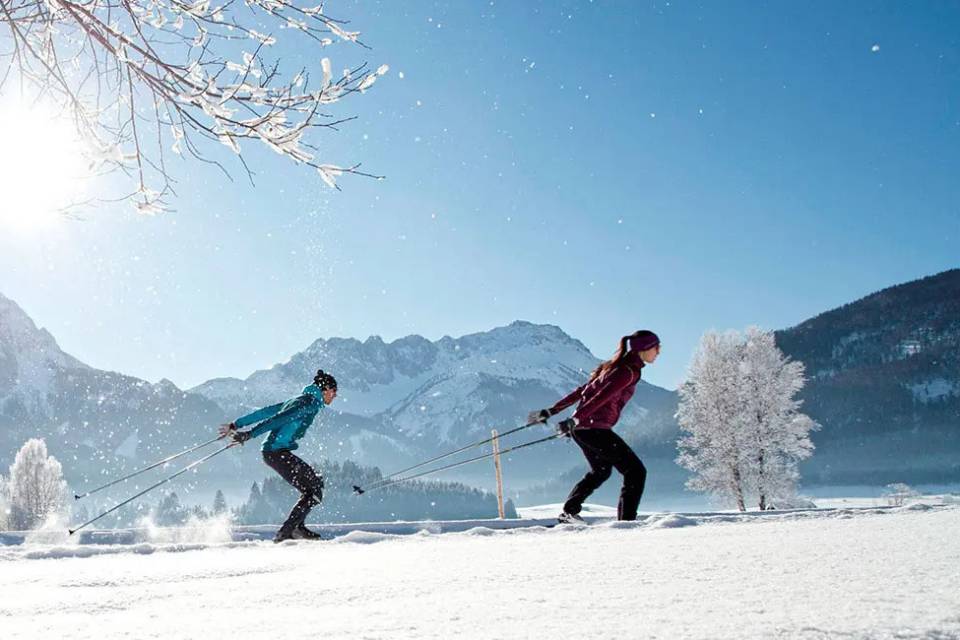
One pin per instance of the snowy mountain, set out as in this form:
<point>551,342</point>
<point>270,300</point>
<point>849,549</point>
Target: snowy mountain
<point>29,359</point>
<point>884,380</point>
<point>95,421</point>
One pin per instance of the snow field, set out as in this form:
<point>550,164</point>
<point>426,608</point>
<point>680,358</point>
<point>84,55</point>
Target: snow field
<point>872,573</point>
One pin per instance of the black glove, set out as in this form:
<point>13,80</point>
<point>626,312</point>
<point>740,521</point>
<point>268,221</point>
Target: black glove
<point>240,436</point>
<point>538,416</point>
<point>565,427</point>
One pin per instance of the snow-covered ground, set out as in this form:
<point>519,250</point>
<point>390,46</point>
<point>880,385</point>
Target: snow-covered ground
<point>850,573</point>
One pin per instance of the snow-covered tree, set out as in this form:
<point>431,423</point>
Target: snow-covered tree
<point>709,412</point>
<point>4,503</point>
<point>147,80</point>
<point>219,503</point>
<point>36,486</point>
<point>739,407</point>
<point>778,435</point>
<point>898,493</point>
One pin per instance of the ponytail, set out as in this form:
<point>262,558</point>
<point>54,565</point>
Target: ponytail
<point>622,350</point>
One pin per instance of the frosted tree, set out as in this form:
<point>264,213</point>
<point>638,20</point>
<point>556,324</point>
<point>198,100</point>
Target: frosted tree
<point>147,80</point>
<point>36,486</point>
<point>710,413</point>
<point>4,503</point>
<point>777,434</point>
<point>219,503</point>
<point>740,408</point>
<point>898,493</point>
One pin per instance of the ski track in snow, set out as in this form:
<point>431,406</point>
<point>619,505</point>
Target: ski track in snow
<point>837,573</point>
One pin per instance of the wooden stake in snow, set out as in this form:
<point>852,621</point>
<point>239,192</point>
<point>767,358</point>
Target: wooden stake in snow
<point>496,464</point>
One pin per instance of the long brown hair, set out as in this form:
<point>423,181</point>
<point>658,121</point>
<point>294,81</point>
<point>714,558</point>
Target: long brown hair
<point>622,350</point>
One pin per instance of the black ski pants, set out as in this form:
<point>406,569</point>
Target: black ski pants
<point>303,478</point>
<point>606,451</point>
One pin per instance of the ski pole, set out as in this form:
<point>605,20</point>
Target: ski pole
<point>145,469</point>
<point>154,486</point>
<point>360,491</point>
<point>386,479</point>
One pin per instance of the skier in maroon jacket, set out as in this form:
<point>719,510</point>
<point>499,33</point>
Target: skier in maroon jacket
<point>601,400</point>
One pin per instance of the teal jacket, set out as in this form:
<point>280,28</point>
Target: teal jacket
<point>287,421</point>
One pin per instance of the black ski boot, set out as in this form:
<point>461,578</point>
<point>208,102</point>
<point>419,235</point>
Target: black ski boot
<point>302,533</point>
<point>284,533</point>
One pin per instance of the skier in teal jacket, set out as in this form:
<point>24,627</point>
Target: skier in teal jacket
<point>287,422</point>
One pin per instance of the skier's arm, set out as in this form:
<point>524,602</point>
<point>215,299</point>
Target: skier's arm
<point>258,415</point>
<point>289,410</point>
<point>615,382</point>
<point>566,401</point>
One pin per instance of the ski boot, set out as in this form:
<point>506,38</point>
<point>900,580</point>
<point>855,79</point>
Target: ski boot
<point>302,533</point>
<point>570,518</point>
<point>284,533</point>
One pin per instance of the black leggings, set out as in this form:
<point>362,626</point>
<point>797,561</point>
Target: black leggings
<point>605,451</point>
<point>303,478</point>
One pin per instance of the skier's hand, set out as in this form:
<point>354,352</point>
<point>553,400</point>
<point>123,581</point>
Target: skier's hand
<point>567,426</point>
<point>240,436</point>
<point>538,416</point>
<point>225,429</point>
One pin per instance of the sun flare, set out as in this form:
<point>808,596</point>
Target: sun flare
<point>42,166</point>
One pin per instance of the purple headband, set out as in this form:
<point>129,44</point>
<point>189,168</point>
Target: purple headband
<point>643,340</point>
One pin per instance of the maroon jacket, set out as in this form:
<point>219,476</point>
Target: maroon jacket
<point>602,400</point>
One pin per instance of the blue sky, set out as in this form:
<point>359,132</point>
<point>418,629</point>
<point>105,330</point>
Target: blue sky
<point>602,166</point>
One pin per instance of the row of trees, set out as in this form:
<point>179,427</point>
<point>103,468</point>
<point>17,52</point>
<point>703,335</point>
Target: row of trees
<point>270,501</point>
<point>744,430</point>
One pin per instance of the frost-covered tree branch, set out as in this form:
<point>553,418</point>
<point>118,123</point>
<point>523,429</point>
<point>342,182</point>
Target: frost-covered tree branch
<point>144,79</point>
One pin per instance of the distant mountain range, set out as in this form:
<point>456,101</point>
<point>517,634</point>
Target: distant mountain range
<point>884,382</point>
